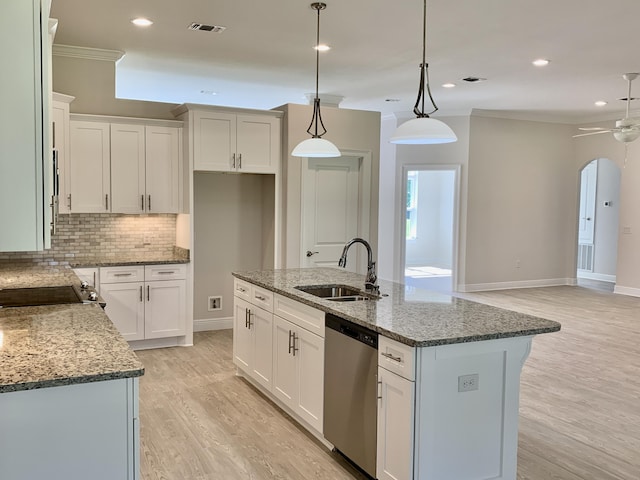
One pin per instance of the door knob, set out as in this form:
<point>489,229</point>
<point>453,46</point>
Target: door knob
<point>310,253</point>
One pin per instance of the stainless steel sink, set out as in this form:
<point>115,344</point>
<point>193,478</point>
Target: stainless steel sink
<point>337,293</point>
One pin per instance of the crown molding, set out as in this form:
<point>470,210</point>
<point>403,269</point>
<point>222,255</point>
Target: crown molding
<point>87,53</point>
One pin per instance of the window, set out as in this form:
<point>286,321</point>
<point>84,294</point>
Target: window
<point>412,205</point>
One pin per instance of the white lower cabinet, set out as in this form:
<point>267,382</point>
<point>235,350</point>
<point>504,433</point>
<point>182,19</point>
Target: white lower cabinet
<point>395,426</point>
<point>88,430</point>
<point>252,341</point>
<point>142,309</point>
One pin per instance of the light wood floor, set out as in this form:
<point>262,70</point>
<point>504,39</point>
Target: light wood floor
<point>579,413</point>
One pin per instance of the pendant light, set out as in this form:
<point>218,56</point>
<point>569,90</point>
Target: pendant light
<point>423,129</point>
<point>316,146</point>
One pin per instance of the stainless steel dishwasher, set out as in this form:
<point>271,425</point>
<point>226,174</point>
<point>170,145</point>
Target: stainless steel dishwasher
<point>350,391</point>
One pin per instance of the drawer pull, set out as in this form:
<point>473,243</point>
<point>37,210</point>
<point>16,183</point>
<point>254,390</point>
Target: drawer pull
<point>167,272</point>
<point>392,357</point>
<point>128,274</point>
<point>261,298</point>
<point>240,289</point>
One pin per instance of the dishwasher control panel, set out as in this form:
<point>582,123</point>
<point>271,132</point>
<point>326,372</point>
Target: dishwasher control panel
<point>353,330</point>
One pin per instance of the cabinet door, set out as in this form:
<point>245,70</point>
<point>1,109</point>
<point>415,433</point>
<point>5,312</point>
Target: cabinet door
<point>90,178</point>
<point>258,144</point>
<point>60,117</point>
<point>127,168</point>
<point>310,358</point>
<point>261,326</point>
<point>242,338</point>
<point>395,427</point>
<point>285,375</point>
<point>214,141</point>
<point>125,308</point>
<point>165,310</point>
<point>23,204</point>
<point>163,160</point>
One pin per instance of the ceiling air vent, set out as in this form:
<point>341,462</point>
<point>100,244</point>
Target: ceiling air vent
<point>207,28</point>
<point>474,79</point>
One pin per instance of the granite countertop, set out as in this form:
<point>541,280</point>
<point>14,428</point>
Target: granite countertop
<point>58,345</point>
<point>410,315</point>
<point>127,260</point>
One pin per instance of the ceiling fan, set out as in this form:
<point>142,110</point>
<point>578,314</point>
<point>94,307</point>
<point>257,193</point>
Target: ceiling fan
<point>627,129</point>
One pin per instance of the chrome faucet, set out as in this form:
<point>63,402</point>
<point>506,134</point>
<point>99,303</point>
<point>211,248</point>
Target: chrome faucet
<point>371,278</point>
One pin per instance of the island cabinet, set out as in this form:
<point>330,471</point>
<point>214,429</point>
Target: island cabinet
<point>278,344</point>
<point>449,411</point>
<point>87,430</point>
<point>124,165</point>
<point>233,140</point>
<point>253,331</point>
<point>145,302</point>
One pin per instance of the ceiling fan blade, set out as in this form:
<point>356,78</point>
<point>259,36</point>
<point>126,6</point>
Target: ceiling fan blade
<point>592,133</point>
<point>590,129</point>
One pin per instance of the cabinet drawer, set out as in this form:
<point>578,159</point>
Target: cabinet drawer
<point>397,357</point>
<point>121,274</point>
<point>165,272</point>
<point>262,298</point>
<point>302,315</point>
<point>242,289</point>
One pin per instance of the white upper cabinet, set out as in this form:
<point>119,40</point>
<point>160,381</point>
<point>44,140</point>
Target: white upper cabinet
<point>234,141</point>
<point>90,173</point>
<point>25,163</point>
<point>60,135</point>
<point>124,167</point>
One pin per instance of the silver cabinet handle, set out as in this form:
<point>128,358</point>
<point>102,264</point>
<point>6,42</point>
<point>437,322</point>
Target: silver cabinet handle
<point>141,293</point>
<point>106,201</point>
<point>261,298</point>
<point>166,272</point>
<point>310,253</point>
<point>142,202</point>
<point>295,349</point>
<point>379,389</point>
<point>290,337</point>
<point>233,159</point>
<point>127,274</point>
<point>149,203</point>
<point>148,293</point>
<point>94,278</point>
<point>391,357</point>
<point>69,198</point>
<point>240,289</point>
<point>250,313</point>
<point>239,160</point>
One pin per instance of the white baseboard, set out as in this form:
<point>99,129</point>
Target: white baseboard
<point>633,292</point>
<point>206,324</point>
<point>482,287</point>
<point>602,277</point>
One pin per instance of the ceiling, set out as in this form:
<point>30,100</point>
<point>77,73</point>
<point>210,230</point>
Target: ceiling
<point>265,58</point>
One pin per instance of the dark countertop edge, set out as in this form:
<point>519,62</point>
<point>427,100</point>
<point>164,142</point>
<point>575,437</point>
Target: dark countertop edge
<point>61,382</point>
<point>114,263</point>
<point>396,336</point>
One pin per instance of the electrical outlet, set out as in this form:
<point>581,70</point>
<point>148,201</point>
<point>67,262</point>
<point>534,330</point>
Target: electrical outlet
<point>468,383</point>
<point>215,303</point>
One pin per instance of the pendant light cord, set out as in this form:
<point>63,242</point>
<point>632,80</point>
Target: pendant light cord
<point>418,108</point>
<point>316,119</point>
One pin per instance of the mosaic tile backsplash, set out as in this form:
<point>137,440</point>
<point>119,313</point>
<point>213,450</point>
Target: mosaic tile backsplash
<point>84,235</point>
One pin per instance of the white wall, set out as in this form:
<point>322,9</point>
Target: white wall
<point>522,204</point>
<point>387,199</point>
<point>434,236</point>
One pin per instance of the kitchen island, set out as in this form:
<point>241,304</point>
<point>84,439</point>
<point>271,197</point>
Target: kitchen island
<point>68,388</point>
<point>448,368</point>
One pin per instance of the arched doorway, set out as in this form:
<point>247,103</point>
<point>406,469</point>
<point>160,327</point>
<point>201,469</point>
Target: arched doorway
<point>598,224</point>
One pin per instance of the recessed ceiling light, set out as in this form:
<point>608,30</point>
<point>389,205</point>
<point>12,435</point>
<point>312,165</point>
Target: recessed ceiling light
<point>142,22</point>
<point>448,85</point>
<point>541,62</point>
<point>322,47</point>
<point>600,103</point>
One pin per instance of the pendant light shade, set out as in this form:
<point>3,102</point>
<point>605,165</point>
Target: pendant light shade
<point>316,146</point>
<point>423,129</point>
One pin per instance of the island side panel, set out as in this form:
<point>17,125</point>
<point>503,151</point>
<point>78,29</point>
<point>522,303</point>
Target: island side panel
<point>469,434</point>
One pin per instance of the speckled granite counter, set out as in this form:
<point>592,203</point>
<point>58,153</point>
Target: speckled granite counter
<point>410,315</point>
<point>58,344</point>
<point>127,259</point>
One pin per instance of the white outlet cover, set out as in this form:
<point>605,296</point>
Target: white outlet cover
<point>468,383</point>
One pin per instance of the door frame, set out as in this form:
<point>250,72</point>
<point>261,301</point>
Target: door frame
<point>364,196</point>
<point>401,213</point>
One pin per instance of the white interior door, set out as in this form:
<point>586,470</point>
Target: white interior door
<point>588,181</point>
<point>330,211</point>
